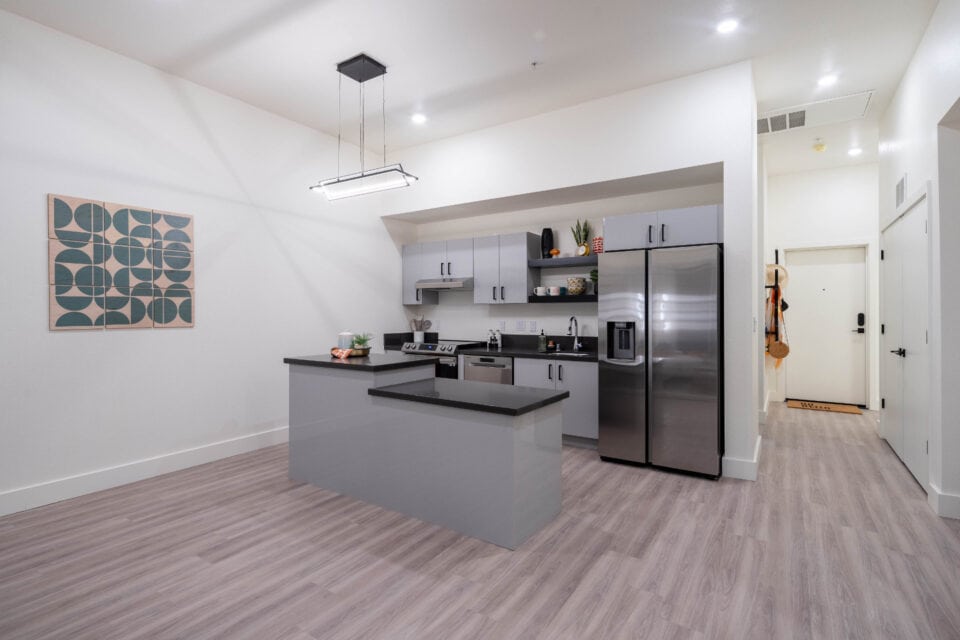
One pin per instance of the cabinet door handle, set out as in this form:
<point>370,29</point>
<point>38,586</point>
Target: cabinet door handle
<point>663,233</point>
<point>418,295</point>
<point>503,296</point>
<point>550,371</point>
<point>560,372</point>
<point>441,268</point>
<point>449,269</point>
<point>649,234</point>
<point>494,292</point>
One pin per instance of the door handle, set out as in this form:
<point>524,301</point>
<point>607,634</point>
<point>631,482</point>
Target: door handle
<point>859,330</point>
<point>550,371</point>
<point>441,268</point>
<point>663,233</point>
<point>900,352</point>
<point>494,292</point>
<point>449,269</point>
<point>649,234</point>
<point>418,295</point>
<point>560,372</point>
<point>503,296</point>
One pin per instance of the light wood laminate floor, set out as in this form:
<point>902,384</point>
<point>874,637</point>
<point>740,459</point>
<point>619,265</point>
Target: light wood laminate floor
<point>835,540</point>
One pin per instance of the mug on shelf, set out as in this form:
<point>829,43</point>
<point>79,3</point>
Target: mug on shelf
<point>540,291</point>
<point>554,291</point>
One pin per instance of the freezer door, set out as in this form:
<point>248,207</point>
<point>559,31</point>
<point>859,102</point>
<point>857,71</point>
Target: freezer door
<point>622,371</point>
<point>684,364</point>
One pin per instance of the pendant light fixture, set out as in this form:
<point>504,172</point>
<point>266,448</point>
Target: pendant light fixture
<point>362,68</point>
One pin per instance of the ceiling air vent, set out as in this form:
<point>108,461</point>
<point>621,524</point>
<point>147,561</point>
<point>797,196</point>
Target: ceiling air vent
<point>778,123</point>
<point>797,119</point>
<point>763,125</point>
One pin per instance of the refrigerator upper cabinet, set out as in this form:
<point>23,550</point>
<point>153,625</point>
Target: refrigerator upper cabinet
<point>630,231</point>
<point>693,225</point>
<point>684,365</point>
<point>622,372</point>
<point>486,270</point>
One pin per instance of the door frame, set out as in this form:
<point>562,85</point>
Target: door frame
<point>871,247</point>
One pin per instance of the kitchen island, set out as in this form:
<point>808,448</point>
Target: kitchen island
<point>478,458</point>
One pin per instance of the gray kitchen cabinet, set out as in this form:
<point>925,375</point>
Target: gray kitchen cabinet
<point>580,410</point>
<point>447,258</point>
<point>693,225</point>
<point>669,228</point>
<point>413,270</point>
<point>501,271</point>
<point>631,231</point>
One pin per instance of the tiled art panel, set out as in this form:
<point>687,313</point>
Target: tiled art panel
<point>119,267</point>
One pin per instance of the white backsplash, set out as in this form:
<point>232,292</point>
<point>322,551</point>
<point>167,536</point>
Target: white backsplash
<point>457,317</point>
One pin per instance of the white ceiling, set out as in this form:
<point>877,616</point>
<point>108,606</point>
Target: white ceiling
<point>467,65</point>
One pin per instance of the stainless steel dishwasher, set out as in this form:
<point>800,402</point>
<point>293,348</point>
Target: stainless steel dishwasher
<point>495,369</point>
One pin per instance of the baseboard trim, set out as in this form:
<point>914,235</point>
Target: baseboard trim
<point>43,493</point>
<point>946,505</point>
<point>740,468</point>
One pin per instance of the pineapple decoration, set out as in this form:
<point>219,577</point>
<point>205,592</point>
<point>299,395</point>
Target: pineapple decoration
<point>581,235</point>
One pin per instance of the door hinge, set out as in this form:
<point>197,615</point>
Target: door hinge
<point>928,447</point>
<point>883,403</point>
<point>881,254</point>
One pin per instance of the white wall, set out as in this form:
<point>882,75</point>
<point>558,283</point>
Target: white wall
<point>908,146</point>
<point>827,208</point>
<point>279,271</point>
<point>457,317</point>
<point>696,120</point>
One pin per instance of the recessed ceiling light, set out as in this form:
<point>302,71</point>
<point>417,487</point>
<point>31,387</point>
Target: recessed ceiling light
<point>727,26</point>
<point>418,118</point>
<point>828,80</point>
<point>854,152</point>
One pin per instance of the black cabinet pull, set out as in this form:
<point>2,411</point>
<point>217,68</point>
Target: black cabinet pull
<point>663,233</point>
<point>560,372</point>
<point>550,372</point>
<point>503,296</point>
<point>649,234</point>
<point>494,293</point>
<point>449,269</point>
<point>418,295</point>
<point>441,268</point>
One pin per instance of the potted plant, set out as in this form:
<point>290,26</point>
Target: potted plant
<point>581,235</point>
<point>361,343</point>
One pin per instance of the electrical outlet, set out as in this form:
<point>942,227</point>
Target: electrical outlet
<point>503,325</point>
<point>521,325</point>
<point>533,326</point>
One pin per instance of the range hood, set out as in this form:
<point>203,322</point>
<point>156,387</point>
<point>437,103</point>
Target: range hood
<point>445,284</point>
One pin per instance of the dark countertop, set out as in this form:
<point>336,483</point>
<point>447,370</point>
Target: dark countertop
<point>477,396</point>
<point>522,352</point>
<point>373,362</point>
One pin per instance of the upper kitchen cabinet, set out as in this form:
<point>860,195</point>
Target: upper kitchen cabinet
<point>414,269</point>
<point>670,228</point>
<point>447,258</point>
<point>500,268</point>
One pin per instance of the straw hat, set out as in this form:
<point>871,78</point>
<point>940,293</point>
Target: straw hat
<point>775,268</point>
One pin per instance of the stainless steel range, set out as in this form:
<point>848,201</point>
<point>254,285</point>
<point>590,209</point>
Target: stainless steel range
<point>448,350</point>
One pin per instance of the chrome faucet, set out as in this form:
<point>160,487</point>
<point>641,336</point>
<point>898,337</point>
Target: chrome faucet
<point>573,329</point>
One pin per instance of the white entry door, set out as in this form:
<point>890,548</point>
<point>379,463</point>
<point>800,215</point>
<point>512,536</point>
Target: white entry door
<point>826,325</point>
<point>904,354</point>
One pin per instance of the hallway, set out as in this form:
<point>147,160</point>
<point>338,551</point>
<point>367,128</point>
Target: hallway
<point>835,540</point>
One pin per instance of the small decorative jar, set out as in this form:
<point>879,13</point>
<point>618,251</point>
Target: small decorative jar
<point>597,244</point>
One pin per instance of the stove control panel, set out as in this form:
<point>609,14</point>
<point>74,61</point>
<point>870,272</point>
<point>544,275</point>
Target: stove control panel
<point>428,347</point>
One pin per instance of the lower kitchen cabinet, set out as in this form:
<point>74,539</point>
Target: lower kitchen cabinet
<point>579,378</point>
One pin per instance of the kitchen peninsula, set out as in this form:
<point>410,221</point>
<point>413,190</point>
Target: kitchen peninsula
<point>478,458</point>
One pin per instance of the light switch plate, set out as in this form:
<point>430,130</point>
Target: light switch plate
<point>503,325</point>
<point>533,326</point>
<point>521,325</point>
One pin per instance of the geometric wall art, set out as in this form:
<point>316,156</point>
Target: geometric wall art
<point>116,266</point>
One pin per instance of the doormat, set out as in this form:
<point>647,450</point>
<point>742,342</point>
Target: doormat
<point>824,406</point>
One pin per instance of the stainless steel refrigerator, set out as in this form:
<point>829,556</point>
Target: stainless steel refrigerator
<point>661,357</point>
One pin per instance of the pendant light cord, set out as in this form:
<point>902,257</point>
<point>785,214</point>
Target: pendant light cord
<point>362,143</point>
<point>339,118</point>
<point>383,93</point>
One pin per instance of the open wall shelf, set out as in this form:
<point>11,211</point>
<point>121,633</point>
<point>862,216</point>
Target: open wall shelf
<point>582,298</point>
<point>577,261</point>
